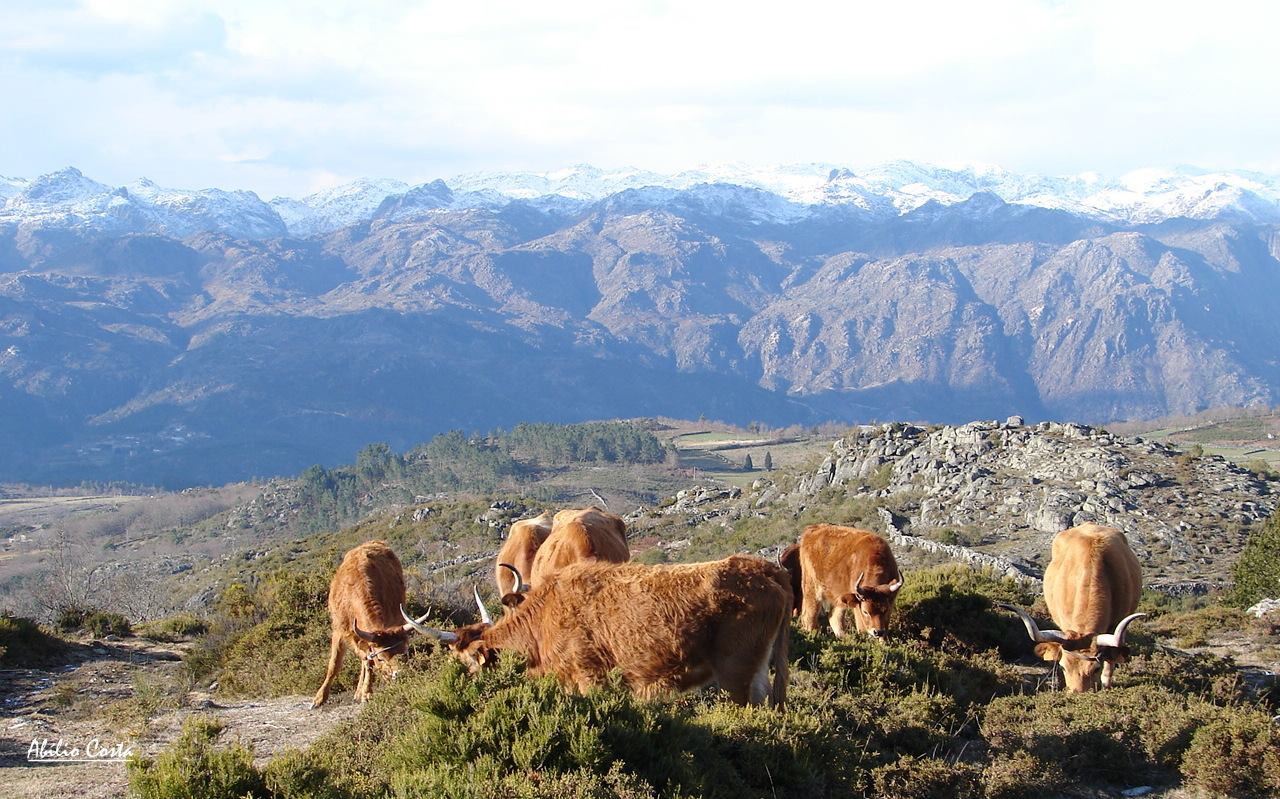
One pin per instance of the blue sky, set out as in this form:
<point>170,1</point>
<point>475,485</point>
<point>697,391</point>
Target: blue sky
<point>288,98</point>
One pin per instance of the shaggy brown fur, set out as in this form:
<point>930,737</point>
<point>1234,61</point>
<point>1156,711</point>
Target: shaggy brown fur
<point>830,560</point>
<point>522,544</point>
<point>790,560</point>
<point>1092,582</point>
<point>577,536</point>
<point>366,592</point>
<point>664,628</point>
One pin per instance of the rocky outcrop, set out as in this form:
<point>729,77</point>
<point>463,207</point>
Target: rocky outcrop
<point>1011,487</point>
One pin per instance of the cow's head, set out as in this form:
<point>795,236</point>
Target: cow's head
<point>1082,657</point>
<point>467,643</point>
<point>384,649</point>
<point>873,604</point>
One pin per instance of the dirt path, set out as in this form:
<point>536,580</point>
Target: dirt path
<point>128,693</point>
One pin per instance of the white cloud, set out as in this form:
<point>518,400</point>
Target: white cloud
<point>282,97</point>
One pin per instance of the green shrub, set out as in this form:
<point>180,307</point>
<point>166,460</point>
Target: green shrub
<point>97,623</point>
<point>1256,574</point>
<point>1020,775</point>
<point>1238,755</point>
<point>1123,735</point>
<point>952,607</point>
<point>1114,736</point>
<point>1262,469</point>
<point>286,652</point>
<point>24,643</point>
<point>173,628</point>
<point>1203,676</point>
<point>913,777</point>
<point>194,768</point>
<point>860,664</point>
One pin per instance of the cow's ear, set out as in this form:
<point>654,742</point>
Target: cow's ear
<point>1049,651</point>
<point>850,600</point>
<point>513,599</point>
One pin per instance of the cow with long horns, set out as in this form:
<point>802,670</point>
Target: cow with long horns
<point>365,596</point>
<point>841,569</point>
<point>1091,586</point>
<point>523,542</point>
<point>663,628</point>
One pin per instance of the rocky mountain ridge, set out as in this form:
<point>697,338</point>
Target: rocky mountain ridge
<point>211,357</point>
<point>995,493</point>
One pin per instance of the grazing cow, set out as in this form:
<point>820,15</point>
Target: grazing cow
<point>365,598</point>
<point>839,568</point>
<point>580,535</point>
<point>522,544</point>
<point>1091,586</point>
<point>664,628</point>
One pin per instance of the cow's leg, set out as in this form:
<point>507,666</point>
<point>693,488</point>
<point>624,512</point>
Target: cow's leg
<point>742,666</point>
<point>809,606</point>
<point>837,619</point>
<point>335,662</point>
<point>760,683</point>
<point>363,685</point>
<point>1108,669</point>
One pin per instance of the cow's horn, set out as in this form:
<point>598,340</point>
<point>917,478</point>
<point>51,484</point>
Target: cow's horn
<point>1117,638</point>
<point>896,585</point>
<point>1033,630</point>
<point>362,634</point>
<point>521,586</point>
<point>441,635</point>
<point>857,584</point>
<point>484,614</point>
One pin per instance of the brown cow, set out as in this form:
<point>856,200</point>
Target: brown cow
<point>522,544</point>
<point>365,598</point>
<point>1091,586</point>
<point>790,560</point>
<point>580,535</point>
<point>840,568</point>
<point>664,628</point>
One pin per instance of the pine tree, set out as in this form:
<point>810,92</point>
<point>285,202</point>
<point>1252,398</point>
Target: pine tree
<point>747,464</point>
<point>768,461</point>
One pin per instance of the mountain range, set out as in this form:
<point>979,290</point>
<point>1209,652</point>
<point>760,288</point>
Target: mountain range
<point>184,337</point>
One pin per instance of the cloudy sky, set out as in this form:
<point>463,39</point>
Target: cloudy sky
<point>287,98</point>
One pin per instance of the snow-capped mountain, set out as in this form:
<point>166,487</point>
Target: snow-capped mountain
<point>68,199</point>
<point>896,187</point>
<point>336,208</point>
<point>779,195</point>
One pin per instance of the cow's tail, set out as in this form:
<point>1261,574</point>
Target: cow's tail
<point>781,663</point>
<point>790,560</point>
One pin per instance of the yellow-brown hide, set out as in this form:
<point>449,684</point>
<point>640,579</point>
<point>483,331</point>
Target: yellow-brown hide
<point>577,536</point>
<point>1092,582</point>
<point>522,544</point>
<point>831,558</point>
<point>366,592</point>
<point>663,628</point>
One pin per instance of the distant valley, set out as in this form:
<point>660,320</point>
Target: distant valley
<point>184,338</point>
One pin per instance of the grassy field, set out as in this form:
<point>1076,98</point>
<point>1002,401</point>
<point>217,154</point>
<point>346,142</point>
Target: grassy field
<point>1244,440</point>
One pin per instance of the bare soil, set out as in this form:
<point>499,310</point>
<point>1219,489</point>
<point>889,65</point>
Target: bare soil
<point>129,692</point>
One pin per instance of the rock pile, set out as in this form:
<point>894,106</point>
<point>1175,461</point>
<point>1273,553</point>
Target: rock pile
<point>1012,487</point>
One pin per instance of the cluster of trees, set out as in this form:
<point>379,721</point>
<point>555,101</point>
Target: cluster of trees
<point>453,461</point>
<point>591,442</point>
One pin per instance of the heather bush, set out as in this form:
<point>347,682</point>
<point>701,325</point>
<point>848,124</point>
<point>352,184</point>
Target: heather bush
<point>952,607</point>
<point>25,643</point>
<point>194,767</point>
